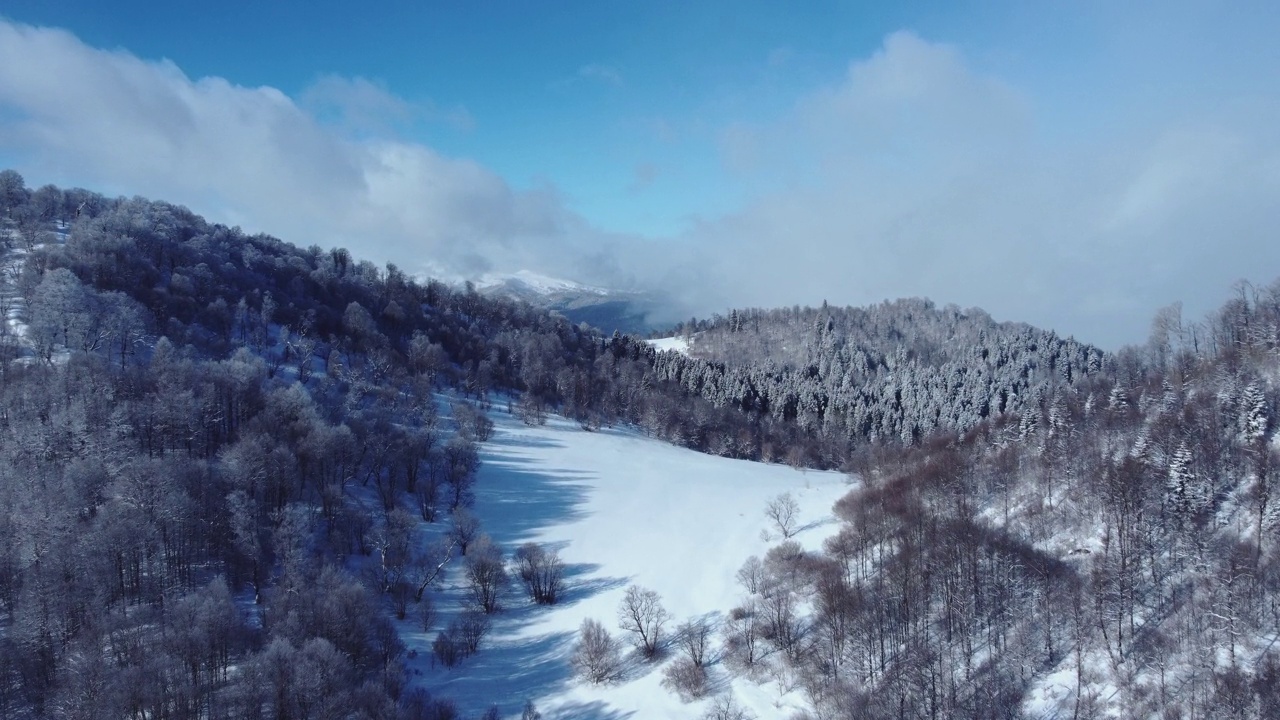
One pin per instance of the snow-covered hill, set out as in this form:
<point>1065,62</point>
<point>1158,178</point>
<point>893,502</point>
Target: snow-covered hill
<point>620,508</point>
<point>533,285</point>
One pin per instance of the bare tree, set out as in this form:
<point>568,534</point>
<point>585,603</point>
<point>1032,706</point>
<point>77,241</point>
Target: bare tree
<point>426,492</point>
<point>428,566</point>
<point>466,527</point>
<point>783,625</point>
<point>392,543</point>
<point>460,460</point>
<point>693,637</point>
<point>541,572</point>
<point>486,574</point>
<point>426,613</point>
<point>247,537</point>
<point>472,626</point>
<point>724,707</point>
<point>472,422</point>
<point>786,566</point>
<point>743,635</point>
<point>641,614</point>
<point>447,648</point>
<point>753,576</point>
<point>461,639</point>
<point>784,511</point>
<point>686,679</point>
<point>597,656</point>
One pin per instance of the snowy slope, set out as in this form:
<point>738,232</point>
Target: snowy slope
<point>13,305</point>
<point>535,283</point>
<point>620,508</point>
<point>677,343</point>
<point>604,308</point>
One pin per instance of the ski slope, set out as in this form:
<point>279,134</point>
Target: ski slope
<point>620,508</point>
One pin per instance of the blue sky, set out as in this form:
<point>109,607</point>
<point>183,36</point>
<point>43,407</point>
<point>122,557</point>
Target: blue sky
<point>1062,163</point>
<point>600,98</point>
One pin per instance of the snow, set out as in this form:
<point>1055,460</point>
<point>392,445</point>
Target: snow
<point>13,302</point>
<point>620,508</point>
<point>14,306</point>
<point>541,284</point>
<point>15,316</point>
<point>676,343</point>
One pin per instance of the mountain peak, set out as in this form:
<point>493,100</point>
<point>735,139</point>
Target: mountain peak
<point>603,308</point>
<point>523,282</point>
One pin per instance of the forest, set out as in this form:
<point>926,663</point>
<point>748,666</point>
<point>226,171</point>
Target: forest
<point>188,412</point>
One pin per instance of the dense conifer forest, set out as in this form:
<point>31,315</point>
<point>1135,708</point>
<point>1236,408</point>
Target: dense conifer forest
<point>188,411</point>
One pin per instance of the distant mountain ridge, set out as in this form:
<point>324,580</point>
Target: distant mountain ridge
<point>602,308</point>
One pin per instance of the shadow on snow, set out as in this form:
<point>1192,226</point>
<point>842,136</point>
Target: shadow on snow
<point>518,500</point>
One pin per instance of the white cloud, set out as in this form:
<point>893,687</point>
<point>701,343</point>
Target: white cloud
<point>253,156</point>
<point>911,174</point>
<point>916,175</point>
<point>366,107</point>
<point>602,73</point>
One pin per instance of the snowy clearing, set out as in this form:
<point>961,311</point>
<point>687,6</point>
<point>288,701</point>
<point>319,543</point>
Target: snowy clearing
<point>620,508</point>
<point>676,343</point>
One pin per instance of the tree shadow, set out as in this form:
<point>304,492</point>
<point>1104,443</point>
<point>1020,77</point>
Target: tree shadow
<point>516,497</point>
<point>595,710</point>
<point>507,673</point>
<point>822,522</point>
<point>719,680</point>
<point>575,591</point>
<point>519,498</point>
<point>635,664</point>
<point>526,441</point>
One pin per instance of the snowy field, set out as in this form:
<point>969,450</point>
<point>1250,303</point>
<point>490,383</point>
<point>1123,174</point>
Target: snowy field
<point>677,343</point>
<point>620,508</point>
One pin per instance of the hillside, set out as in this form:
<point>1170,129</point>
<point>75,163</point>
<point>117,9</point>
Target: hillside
<point>247,479</point>
<point>897,372</point>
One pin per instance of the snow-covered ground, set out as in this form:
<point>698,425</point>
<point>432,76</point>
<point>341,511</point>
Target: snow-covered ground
<point>677,343</point>
<point>620,508</point>
<point>13,306</point>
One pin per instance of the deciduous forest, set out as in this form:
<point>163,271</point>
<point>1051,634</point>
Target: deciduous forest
<point>189,414</point>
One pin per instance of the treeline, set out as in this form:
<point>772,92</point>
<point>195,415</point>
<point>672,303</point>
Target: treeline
<point>895,371</point>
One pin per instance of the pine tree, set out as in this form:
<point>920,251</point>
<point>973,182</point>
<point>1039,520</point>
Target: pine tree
<point>1253,417</point>
<point>1185,496</point>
